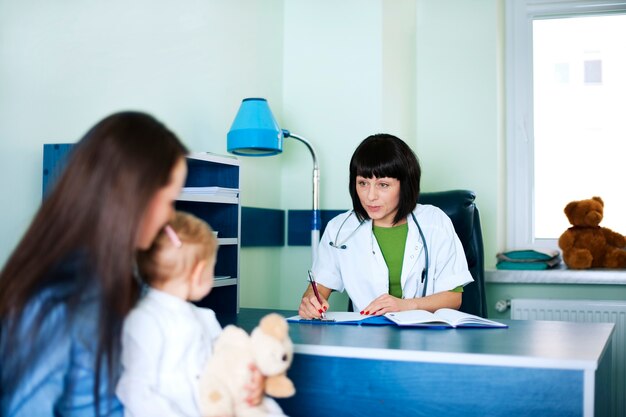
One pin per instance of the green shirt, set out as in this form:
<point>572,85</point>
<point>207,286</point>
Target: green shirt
<point>392,241</point>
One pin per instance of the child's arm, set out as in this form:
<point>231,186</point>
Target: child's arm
<point>141,349</point>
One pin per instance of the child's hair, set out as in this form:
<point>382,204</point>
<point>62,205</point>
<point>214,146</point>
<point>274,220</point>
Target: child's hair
<point>165,259</point>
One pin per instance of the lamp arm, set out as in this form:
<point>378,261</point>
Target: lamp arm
<point>316,222</point>
<point>316,169</point>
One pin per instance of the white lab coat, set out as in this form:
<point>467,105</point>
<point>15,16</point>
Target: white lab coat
<point>360,268</point>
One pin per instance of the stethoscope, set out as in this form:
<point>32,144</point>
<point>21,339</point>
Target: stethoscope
<point>342,245</point>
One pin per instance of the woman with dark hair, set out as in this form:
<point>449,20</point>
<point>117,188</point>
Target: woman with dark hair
<point>66,288</point>
<point>389,253</point>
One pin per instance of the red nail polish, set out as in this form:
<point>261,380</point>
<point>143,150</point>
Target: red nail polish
<point>367,313</point>
<point>325,308</point>
<point>361,312</point>
<point>320,310</point>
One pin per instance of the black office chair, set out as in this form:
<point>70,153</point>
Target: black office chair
<point>460,207</point>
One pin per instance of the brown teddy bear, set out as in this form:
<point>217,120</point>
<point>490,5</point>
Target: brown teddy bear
<point>586,244</point>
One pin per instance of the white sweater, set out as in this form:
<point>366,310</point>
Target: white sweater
<point>165,344</point>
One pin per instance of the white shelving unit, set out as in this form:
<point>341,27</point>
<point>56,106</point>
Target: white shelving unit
<point>223,212</point>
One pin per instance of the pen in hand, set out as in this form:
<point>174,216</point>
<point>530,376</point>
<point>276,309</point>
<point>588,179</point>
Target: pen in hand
<point>317,294</point>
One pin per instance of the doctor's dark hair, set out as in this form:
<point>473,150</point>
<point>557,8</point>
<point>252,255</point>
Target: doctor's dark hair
<point>93,213</point>
<point>383,155</point>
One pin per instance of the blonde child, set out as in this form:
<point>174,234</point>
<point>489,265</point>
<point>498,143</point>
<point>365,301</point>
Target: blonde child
<point>166,340</point>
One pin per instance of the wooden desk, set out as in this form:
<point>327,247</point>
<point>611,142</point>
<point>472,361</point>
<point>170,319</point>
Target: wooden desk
<point>532,368</point>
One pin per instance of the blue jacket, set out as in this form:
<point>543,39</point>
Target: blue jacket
<point>52,372</point>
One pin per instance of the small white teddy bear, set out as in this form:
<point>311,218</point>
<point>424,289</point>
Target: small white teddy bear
<point>227,372</point>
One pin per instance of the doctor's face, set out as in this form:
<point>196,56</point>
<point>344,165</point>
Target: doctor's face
<point>380,197</point>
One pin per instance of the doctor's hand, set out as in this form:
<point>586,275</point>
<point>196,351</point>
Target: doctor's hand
<point>387,304</point>
<point>310,307</point>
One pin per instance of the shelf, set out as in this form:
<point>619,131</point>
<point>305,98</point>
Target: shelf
<point>221,211</point>
<point>224,282</point>
<point>206,198</point>
<point>212,157</point>
<point>228,241</point>
<point>212,193</point>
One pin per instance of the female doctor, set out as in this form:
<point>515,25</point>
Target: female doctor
<point>389,253</point>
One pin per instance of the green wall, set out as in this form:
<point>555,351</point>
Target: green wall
<point>66,65</point>
<point>459,112</point>
<point>333,72</point>
<point>429,71</point>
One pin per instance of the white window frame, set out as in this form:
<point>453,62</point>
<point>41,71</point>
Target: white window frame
<point>519,16</point>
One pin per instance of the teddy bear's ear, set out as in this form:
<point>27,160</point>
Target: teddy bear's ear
<point>274,325</point>
<point>231,336</point>
<point>570,208</point>
<point>599,200</point>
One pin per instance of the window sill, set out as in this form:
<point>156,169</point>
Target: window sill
<point>560,275</point>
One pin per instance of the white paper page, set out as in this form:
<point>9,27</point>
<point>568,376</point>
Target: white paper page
<point>454,317</point>
<point>413,317</point>
<point>458,317</point>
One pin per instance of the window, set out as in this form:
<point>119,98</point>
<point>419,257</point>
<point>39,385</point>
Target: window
<point>566,114</point>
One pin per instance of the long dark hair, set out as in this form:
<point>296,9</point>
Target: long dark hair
<point>95,209</point>
<point>383,155</point>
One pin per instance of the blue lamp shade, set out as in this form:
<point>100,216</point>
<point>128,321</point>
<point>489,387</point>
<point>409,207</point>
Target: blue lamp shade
<point>254,131</point>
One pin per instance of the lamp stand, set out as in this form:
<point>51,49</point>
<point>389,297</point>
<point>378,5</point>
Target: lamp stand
<point>316,217</point>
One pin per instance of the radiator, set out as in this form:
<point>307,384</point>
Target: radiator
<point>588,311</point>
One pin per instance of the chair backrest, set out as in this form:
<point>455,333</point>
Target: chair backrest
<point>460,207</point>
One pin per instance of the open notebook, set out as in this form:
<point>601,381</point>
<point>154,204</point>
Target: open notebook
<point>442,318</point>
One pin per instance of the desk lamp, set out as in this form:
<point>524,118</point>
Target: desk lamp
<point>254,132</point>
